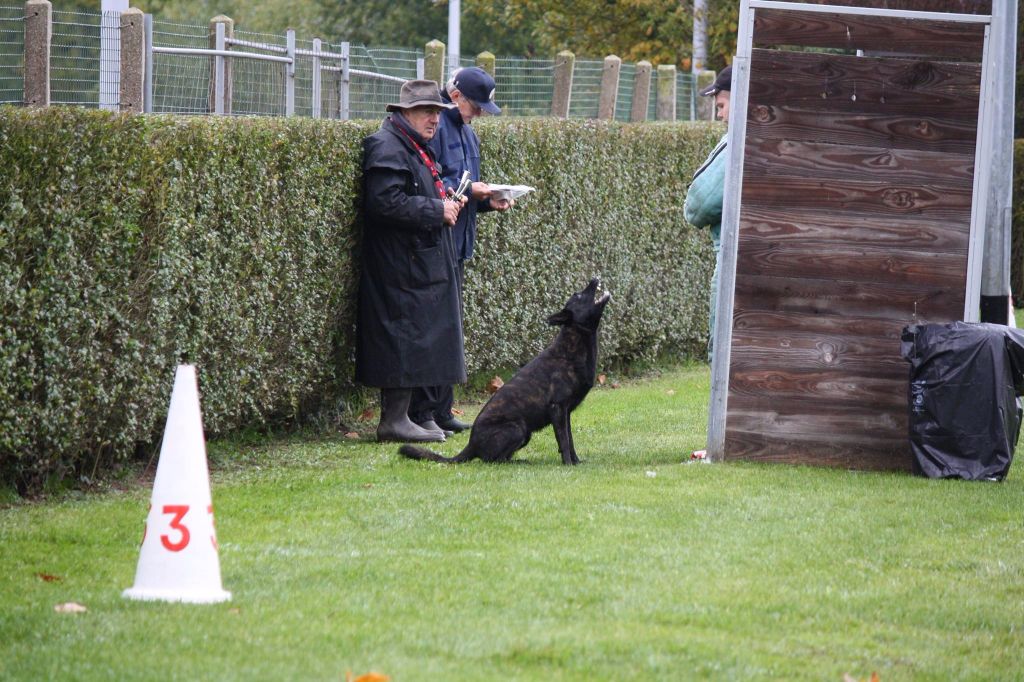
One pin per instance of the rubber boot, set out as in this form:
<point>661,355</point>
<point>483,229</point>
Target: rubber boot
<point>431,425</point>
<point>395,424</point>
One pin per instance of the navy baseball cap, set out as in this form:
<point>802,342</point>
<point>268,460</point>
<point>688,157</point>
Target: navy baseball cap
<point>478,87</point>
<point>722,82</point>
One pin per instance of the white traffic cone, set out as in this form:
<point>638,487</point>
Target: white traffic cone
<point>178,560</point>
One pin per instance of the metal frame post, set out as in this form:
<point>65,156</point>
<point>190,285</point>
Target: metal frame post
<point>345,82</point>
<point>316,77</point>
<point>147,80</point>
<point>730,236</point>
<point>289,74</point>
<point>218,71</point>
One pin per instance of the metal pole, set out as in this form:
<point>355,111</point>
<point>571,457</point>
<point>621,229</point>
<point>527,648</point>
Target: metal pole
<point>730,235</point>
<point>147,82</point>
<point>700,36</point>
<point>344,84</point>
<point>316,77</point>
<point>218,71</point>
<point>995,272</point>
<point>454,12</point>
<point>110,58</point>
<point>289,74</point>
<point>420,68</point>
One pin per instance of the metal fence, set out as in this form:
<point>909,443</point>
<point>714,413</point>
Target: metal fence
<point>276,75</point>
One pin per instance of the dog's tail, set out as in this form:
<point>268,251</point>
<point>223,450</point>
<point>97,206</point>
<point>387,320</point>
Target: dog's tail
<point>423,454</point>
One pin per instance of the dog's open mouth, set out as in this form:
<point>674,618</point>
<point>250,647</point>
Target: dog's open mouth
<point>602,297</point>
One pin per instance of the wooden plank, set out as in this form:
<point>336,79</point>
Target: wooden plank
<point>822,228</point>
<point>869,198</point>
<point>865,85</point>
<point>852,262</point>
<point>820,325</point>
<point>913,130</point>
<point>820,419</point>
<point>827,161</point>
<point>947,39</point>
<point>904,303</point>
<point>861,451</point>
<point>782,349</point>
<point>949,6</point>
<point>785,386</point>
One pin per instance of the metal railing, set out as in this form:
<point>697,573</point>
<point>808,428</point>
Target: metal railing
<point>197,69</point>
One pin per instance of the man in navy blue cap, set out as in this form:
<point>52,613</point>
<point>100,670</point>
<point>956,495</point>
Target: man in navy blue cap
<point>457,149</point>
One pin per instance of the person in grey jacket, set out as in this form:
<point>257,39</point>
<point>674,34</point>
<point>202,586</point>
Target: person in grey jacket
<point>703,204</point>
<point>409,323</point>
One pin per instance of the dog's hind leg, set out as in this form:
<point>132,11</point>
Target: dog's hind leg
<point>568,432</point>
<point>502,442</point>
<point>560,423</point>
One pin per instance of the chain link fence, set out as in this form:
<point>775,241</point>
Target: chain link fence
<point>331,79</point>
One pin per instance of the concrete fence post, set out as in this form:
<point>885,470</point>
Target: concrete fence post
<point>641,92</point>
<point>705,105</point>
<point>609,88</point>
<point>666,108</point>
<point>38,34</point>
<point>565,61</point>
<point>485,60</point>
<point>133,60</point>
<point>220,67</point>
<point>433,62</point>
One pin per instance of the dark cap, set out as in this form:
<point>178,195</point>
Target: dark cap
<point>419,93</point>
<point>722,82</point>
<point>478,87</point>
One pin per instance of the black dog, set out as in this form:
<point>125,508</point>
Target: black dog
<point>545,391</point>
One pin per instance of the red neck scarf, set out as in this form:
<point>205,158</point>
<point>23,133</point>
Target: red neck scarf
<point>423,155</point>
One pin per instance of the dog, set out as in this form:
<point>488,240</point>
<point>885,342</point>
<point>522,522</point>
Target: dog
<point>545,391</point>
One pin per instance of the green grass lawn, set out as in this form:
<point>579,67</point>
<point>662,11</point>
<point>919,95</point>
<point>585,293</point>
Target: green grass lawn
<point>635,565</point>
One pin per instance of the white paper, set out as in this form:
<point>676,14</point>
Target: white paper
<point>509,191</point>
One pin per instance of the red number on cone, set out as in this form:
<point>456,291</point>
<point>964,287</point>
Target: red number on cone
<point>179,511</point>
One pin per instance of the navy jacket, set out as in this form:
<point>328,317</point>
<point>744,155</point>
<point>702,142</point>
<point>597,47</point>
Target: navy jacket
<point>457,149</point>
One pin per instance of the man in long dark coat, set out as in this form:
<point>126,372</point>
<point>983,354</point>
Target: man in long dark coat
<point>409,324</point>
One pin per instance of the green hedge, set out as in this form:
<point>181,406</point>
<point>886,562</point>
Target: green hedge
<point>129,243</point>
<point>1017,235</point>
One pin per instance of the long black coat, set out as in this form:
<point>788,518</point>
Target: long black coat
<point>409,325</point>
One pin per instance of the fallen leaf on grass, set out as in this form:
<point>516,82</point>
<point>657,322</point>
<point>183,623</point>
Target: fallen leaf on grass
<point>494,384</point>
<point>70,607</point>
<point>670,391</point>
<point>616,384</point>
<point>457,413</point>
<point>47,578</point>
<point>847,677</point>
<point>366,415</point>
<point>352,435</point>
<point>601,378</point>
<point>368,677</point>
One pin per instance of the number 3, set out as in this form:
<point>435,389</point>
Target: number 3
<point>179,511</point>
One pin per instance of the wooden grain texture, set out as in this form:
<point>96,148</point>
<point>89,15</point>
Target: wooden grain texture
<point>854,263</point>
<point>828,161</point>
<point>923,130</point>
<point>864,85</point>
<point>844,449</point>
<point>822,228</point>
<point>948,6</point>
<point>855,215</point>
<point>950,40</point>
<point>835,296</point>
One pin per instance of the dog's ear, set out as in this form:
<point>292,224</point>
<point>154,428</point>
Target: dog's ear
<point>563,316</point>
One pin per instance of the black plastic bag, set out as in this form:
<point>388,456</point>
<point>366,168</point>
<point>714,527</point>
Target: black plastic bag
<point>964,411</point>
